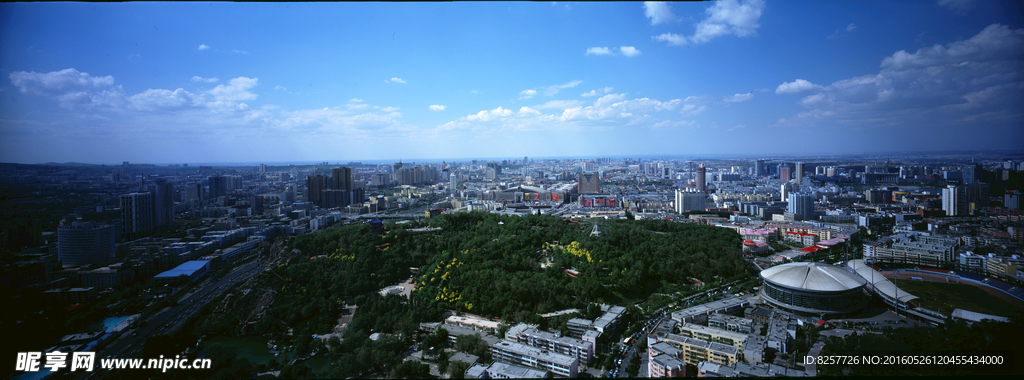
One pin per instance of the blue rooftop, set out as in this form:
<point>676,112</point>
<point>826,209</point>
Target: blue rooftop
<point>185,269</point>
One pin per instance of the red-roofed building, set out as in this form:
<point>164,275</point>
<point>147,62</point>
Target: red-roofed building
<point>801,237</point>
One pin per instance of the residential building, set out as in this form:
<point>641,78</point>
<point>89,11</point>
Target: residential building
<point>510,352</point>
<point>84,243</point>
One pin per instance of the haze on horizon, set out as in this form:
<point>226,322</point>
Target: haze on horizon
<point>251,82</point>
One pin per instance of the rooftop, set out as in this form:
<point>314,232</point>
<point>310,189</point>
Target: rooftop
<point>812,276</point>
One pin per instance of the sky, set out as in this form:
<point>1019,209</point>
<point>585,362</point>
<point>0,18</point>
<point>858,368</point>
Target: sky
<point>258,82</point>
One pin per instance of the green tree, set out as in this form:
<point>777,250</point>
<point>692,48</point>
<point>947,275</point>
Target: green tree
<point>457,369</point>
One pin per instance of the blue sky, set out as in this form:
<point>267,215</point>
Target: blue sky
<point>250,82</point>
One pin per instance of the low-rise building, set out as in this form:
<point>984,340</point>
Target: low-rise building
<point>555,342</point>
<point>499,370</point>
<point>521,354</point>
<point>695,350</point>
<point>712,334</point>
<point>731,323</point>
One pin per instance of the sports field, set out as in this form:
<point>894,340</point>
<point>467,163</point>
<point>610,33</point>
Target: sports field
<point>945,297</point>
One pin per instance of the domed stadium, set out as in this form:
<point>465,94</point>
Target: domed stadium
<point>812,289</point>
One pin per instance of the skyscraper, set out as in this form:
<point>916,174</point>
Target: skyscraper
<point>802,206</point>
<point>84,243</point>
<point>341,178</point>
<point>315,186</point>
<point>218,186</point>
<point>799,173</point>
<point>785,172</point>
<point>972,173</point>
<point>193,191</point>
<point>701,179</point>
<point>954,200</point>
<point>136,214</point>
<point>163,202</point>
<point>452,183</point>
<point>786,190</point>
<point>759,168</point>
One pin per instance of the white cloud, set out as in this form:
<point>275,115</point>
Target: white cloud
<point>629,51</point>
<point>240,51</point>
<point>280,87</point>
<point>396,80</point>
<point>597,92</point>
<point>659,12</point>
<point>672,39</point>
<point>957,5</point>
<point>58,82</point>
<point>725,17</point>
<point>692,109</point>
<point>739,97</point>
<point>236,89</point>
<point>599,51</point>
<point>356,100</point>
<point>608,100</point>
<point>551,90</point>
<point>435,107</point>
<point>196,78</point>
<point>203,47</point>
<point>851,27</point>
<point>527,111</point>
<point>559,104</point>
<point>548,90</point>
<point>526,94</point>
<point>387,109</point>
<point>995,42</point>
<point>797,86</point>
<point>489,115</point>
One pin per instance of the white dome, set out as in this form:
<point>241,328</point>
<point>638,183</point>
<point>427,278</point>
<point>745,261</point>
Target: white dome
<point>812,276</point>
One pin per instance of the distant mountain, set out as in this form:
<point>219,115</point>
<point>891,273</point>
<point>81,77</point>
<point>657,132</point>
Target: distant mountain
<point>68,164</point>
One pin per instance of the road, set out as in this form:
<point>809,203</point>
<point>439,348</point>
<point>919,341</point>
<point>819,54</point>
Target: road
<point>169,319</point>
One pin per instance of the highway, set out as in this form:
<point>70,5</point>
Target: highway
<point>169,319</point>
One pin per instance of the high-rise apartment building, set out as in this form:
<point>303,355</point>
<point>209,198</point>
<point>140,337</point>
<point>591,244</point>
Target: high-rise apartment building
<point>786,189</point>
<point>193,191</point>
<point>218,186</point>
<point>163,203</point>
<point>341,178</point>
<point>452,183</point>
<point>84,243</point>
<point>802,206</point>
<point>971,173</point>
<point>759,168</point>
<point>137,214</point>
<point>690,201</point>
<point>954,200</point>
<point>799,173</point>
<point>701,179</point>
<point>315,185</point>
<point>785,172</point>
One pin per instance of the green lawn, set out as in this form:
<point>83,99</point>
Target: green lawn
<point>948,296</point>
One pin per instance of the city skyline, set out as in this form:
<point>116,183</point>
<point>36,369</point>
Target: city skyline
<point>165,83</point>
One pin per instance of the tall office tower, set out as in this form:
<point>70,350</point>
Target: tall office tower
<point>452,183</point>
<point>588,166</point>
<point>802,206</point>
<point>972,173</point>
<point>263,168</point>
<point>759,168</point>
<point>666,173</point>
<point>257,204</point>
<point>315,185</point>
<point>526,160</point>
<point>978,195</point>
<point>690,201</point>
<point>398,165</point>
<point>136,214</point>
<point>701,180</point>
<point>786,190</point>
<point>589,182</point>
<point>84,243</point>
<point>785,172</point>
<point>193,191</point>
<point>954,200</point>
<point>341,178</point>
<point>218,186</point>
<point>799,173</point>
<point>163,202</point>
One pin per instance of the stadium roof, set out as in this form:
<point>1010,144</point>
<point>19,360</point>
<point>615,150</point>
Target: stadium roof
<point>881,284</point>
<point>185,269</point>
<point>812,276</point>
